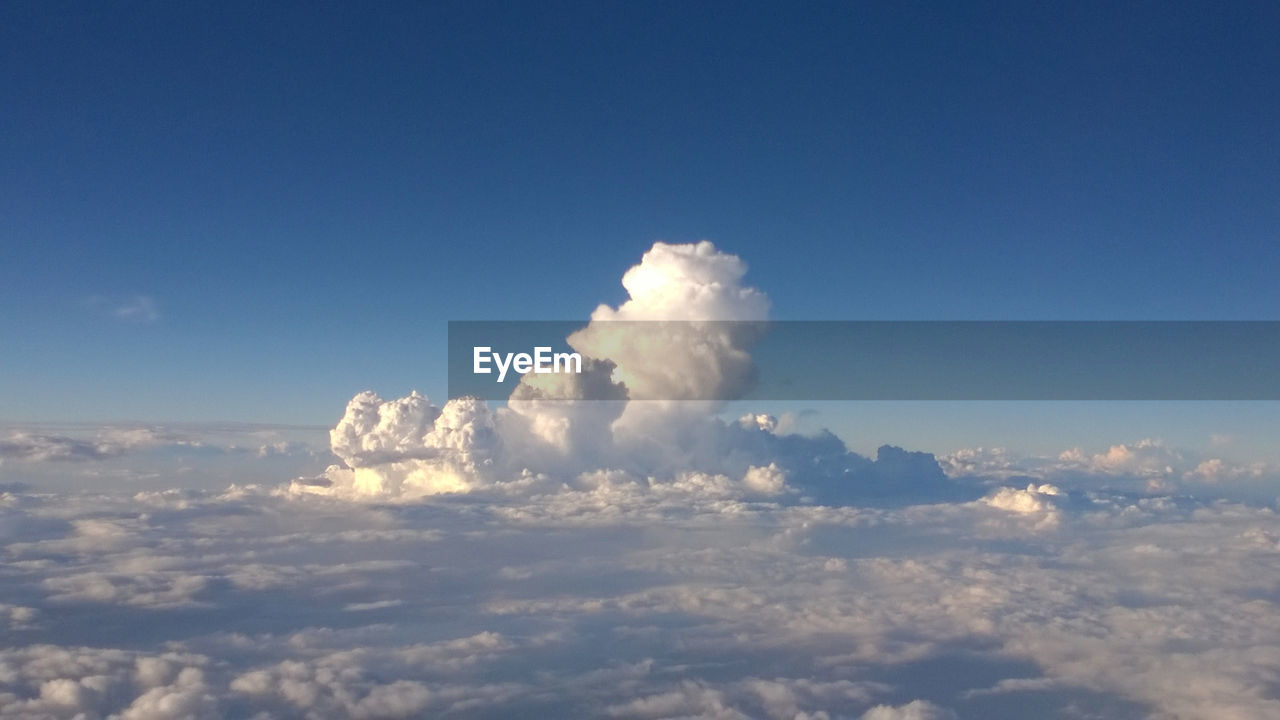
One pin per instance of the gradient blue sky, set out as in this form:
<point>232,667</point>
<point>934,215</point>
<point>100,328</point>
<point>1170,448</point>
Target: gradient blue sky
<point>308,192</point>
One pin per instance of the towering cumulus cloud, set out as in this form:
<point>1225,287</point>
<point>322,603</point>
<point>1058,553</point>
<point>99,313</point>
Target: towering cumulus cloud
<point>697,354</point>
<point>651,366</point>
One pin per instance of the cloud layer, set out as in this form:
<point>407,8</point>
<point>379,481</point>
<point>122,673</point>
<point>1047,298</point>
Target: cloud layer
<point>638,559</point>
<point>695,597</point>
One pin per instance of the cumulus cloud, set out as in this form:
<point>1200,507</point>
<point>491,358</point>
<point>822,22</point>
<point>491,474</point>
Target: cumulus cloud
<point>630,558</point>
<point>1147,458</point>
<point>914,710</point>
<point>668,340</point>
<point>17,617</point>
<point>704,353</point>
<point>344,684</point>
<point>410,448</point>
<point>1148,465</point>
<point>46,681</point>
<point>1217,470</point>
<point>1035,501</point>
<point>634,598</point>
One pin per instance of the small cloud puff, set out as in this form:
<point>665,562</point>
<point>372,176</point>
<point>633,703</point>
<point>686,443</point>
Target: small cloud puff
<point>1035,502</point>
<point>1035,499</point>
<point>914,710</point>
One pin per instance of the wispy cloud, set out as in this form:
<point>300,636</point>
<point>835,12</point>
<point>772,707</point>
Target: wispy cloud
<point>132,308</point>
<point>46,442</point>
<point>108,443</point>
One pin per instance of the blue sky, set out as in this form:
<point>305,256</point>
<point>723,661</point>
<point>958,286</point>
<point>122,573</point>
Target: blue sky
<point>221,221</point>
<point>307,193</point>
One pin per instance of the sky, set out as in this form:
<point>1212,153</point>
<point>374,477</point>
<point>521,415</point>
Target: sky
<point>231,211</point>
<point>233,484</point>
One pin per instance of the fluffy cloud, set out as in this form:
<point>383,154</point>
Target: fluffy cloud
<point>343,684</point>
<point>557,430</point>
<point>638,598</point>
<point>17,617</point>
<point>1035,501</point>
<point>627,558</point>
<point>696,355</point>
<point>914,710</point>
<point>1144,466</point>
<point>45,681</point>
<point>410,448</point>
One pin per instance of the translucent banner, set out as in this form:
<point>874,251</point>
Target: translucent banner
<point>867,360</point>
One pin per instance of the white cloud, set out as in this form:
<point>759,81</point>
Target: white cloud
<point>44,681</point>
<point>698,600</point>
<point>148,589</point>
<point>1145,466</point>
<point>546,438</point>
<point>131,308</point>
<point>109,442</point>
<point>1035,501</point>
<point>18,617</point>
<point>410,448</point>
<point>695,357</point>
<point>562,559</point>
<point>1217,470</point>
<point>765,480</point>
<point>341,683</point>
<point>914,710</point>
